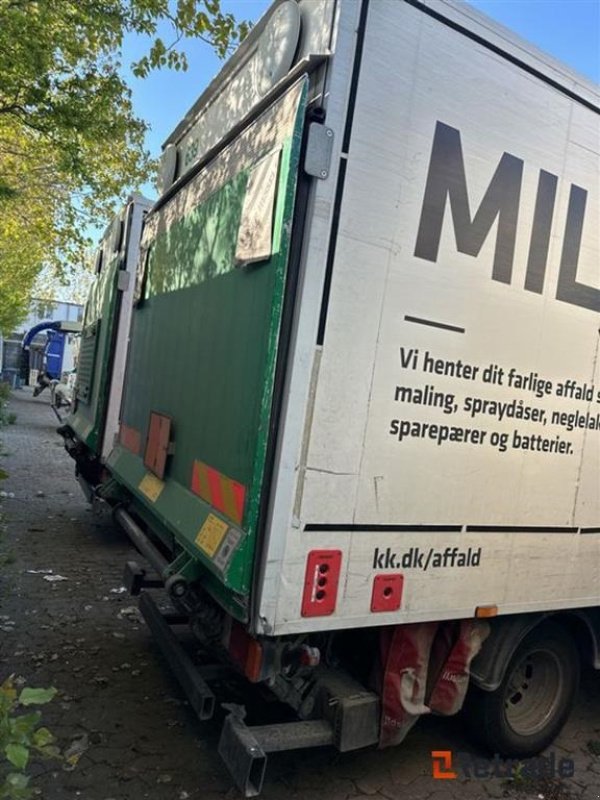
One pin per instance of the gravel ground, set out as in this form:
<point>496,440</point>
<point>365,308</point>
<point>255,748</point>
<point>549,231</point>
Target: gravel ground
<point>118,705</point>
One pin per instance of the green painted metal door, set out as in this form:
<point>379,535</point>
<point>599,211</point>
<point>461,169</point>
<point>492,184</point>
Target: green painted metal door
<point>204,347</point>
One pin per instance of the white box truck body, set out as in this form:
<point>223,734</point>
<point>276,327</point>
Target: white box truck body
<point>442,418</point>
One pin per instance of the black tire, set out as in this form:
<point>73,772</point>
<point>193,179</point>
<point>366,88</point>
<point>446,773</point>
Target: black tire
<point>531,705</point>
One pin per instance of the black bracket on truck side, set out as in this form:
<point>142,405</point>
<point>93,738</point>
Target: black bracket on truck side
<point>135,578</point>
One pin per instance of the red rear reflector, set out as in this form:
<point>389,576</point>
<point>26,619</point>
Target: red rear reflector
<point>254,660</point>
<point>246,652</point>
<point>321,582</point>
<point>387,592</point>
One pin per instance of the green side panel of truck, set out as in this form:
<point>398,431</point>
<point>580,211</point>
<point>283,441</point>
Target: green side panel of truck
<point>95,357</point>
<point>203,352</point>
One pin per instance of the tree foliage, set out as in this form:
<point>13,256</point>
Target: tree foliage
<point>70,143</point>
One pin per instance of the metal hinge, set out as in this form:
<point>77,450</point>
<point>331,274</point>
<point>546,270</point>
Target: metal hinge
<point>319,146</point>
<point>123,281</point>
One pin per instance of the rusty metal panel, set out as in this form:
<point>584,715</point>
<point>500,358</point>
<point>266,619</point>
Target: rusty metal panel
<point>157,444</point>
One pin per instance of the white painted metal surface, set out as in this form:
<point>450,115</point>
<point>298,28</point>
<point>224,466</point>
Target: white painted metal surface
<point>448,428</point>
<point>303,361</point>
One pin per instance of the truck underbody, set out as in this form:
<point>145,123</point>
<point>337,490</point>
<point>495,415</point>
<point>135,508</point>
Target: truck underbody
<point>515,677</point>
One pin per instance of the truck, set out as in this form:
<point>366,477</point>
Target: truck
<point>358,433</point>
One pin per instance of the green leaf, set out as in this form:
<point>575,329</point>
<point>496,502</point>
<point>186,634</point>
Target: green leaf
<point>12,792</point>
<point>15,780</point>
<point>18,755</point>
<point>36,697</point>
<point>42,737</point>
<point>8,693</point>
<point>25,724</point>
<point>49,751</point>
<point>7,684</point>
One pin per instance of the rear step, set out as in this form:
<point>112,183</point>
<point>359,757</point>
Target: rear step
<point>350,715</point>
<point>244,750</point>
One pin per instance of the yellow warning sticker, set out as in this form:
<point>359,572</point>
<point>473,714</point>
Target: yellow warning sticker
<point>151,487</point>
<point>211,535</point>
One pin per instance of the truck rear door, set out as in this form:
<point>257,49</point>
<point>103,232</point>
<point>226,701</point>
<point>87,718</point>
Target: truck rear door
<point>205,336</point>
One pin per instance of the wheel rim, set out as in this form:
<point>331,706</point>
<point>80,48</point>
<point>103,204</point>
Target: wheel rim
<point>533,692</point>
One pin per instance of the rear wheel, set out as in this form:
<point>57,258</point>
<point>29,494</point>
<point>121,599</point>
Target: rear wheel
<point>532,703</point>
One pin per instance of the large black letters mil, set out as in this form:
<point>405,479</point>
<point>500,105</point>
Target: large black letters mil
<point>540,232</point>
<point>568,289</point>
<point>446,179</point>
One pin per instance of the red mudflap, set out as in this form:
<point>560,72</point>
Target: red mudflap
<point>450,689</point>
<point>412,654</point>
<point>405,657</point>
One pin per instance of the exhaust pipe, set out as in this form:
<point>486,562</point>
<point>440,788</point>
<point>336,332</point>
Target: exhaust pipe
<point>142,542</point>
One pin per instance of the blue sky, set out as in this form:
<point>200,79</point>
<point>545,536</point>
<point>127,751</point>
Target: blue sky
<point>567,29</point>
